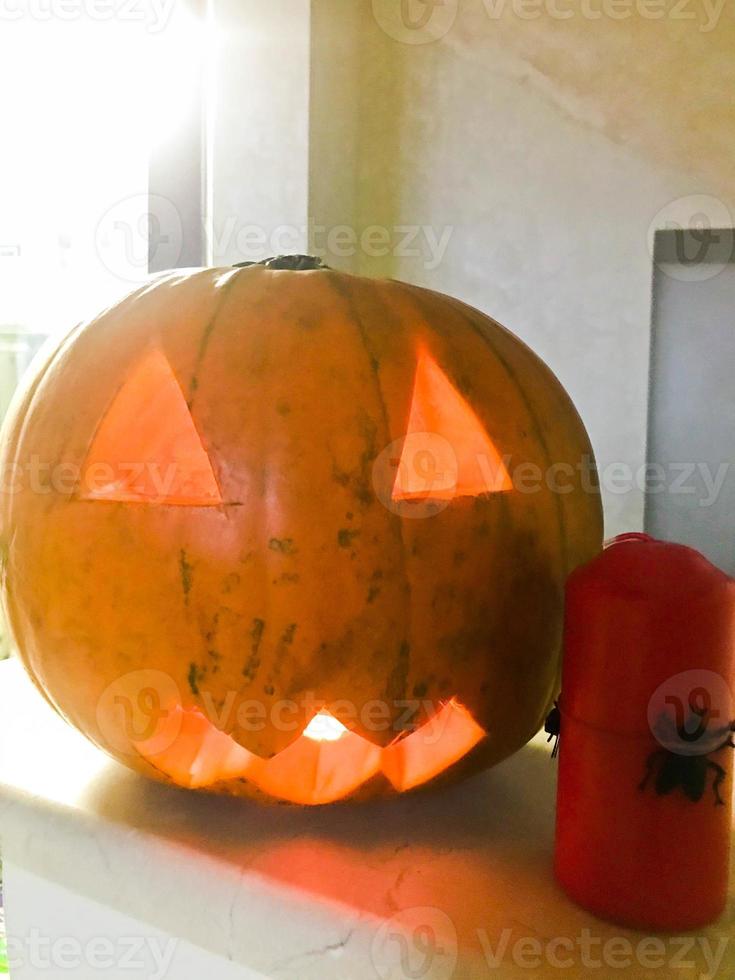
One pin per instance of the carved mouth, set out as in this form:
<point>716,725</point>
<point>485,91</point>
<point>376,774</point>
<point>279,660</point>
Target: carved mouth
<point>327,762</point>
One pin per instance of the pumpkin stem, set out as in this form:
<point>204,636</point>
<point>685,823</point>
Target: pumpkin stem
<point>294,263</point>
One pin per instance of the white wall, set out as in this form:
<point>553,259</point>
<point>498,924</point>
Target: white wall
<point>549,146</point>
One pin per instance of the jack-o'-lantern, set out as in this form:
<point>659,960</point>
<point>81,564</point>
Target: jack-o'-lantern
<point>282,531</point>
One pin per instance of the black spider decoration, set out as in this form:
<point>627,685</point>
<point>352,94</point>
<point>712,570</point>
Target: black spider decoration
<point>690,772</point>
<point>552,727</point>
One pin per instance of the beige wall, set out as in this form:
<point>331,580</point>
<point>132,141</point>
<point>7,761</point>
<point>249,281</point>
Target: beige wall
<point>549,146</point>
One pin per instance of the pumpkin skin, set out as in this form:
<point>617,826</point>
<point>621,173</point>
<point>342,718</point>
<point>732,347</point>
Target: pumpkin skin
<point>300,582</point>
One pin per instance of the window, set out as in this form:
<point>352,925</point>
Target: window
<point>97,116</point>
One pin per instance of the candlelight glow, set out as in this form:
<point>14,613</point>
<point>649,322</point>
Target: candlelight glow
<point>434,747</point>
<point>326,763</point>
<point>324,728</point>
<point>447,452</point>
<point>149,423</point>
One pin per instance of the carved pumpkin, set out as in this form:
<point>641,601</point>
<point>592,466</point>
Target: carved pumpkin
<point>263,532</point>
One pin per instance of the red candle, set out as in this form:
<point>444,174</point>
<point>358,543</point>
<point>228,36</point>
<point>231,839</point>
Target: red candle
<point>645,769</point>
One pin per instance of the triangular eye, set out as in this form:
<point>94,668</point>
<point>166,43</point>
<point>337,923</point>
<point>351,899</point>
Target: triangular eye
<point>447,453</point>
<point>146,448</point>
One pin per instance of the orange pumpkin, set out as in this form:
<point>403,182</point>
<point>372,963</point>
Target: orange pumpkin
<point>283,531</point>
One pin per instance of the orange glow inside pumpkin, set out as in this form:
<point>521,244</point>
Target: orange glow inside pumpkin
<point>147,449</point>
<point>434,747</point>
<point>447,452</point>
<point>327,762</point>
<point>324,727</point>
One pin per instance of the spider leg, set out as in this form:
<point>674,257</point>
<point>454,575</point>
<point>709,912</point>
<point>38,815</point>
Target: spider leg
<point>718,780</point>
